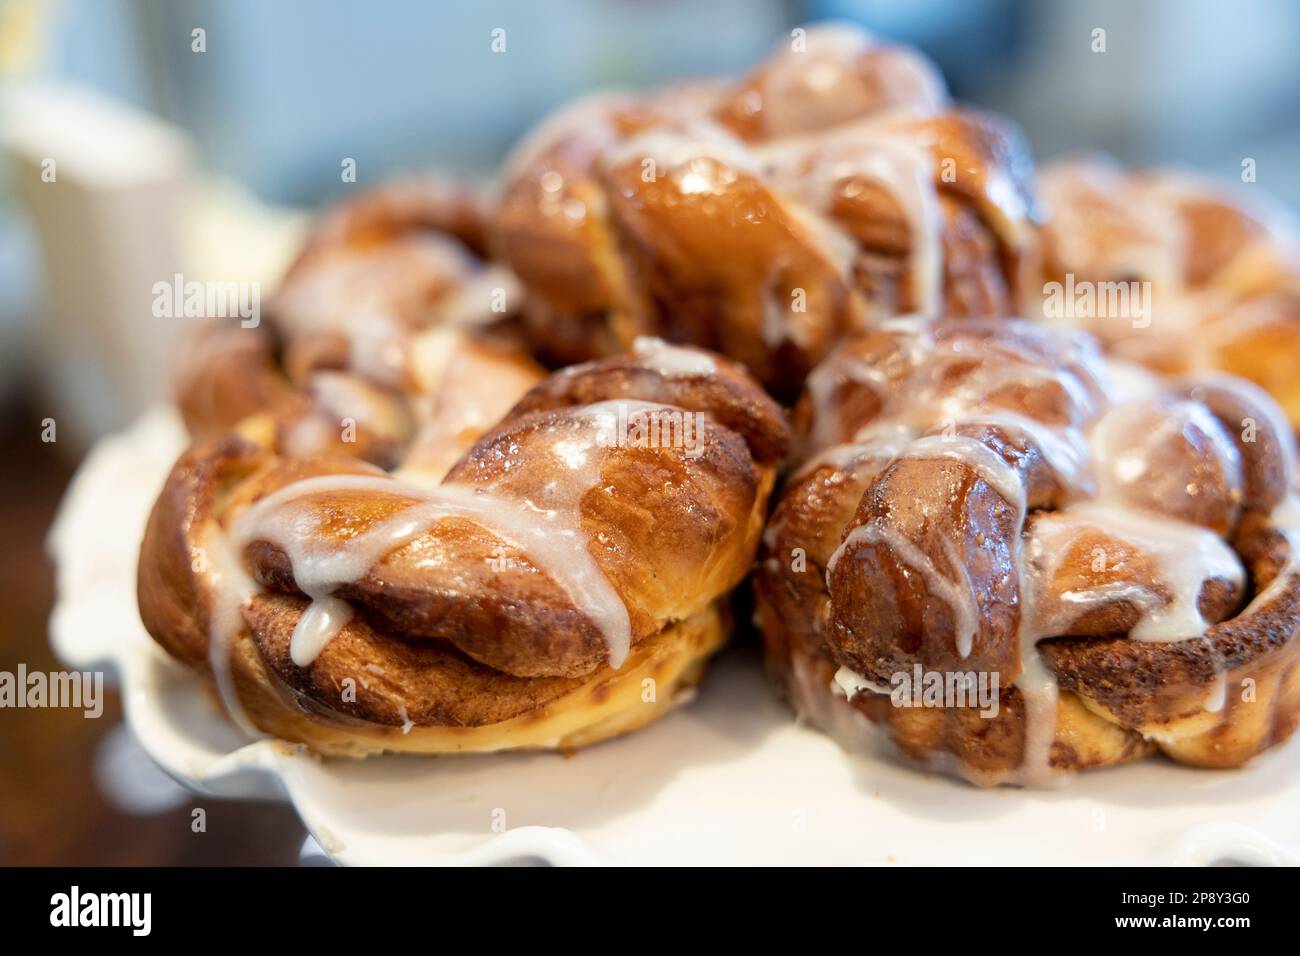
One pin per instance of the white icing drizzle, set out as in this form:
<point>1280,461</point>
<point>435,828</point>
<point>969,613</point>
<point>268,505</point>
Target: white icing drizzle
<point>1286,518</point>
<point>1129,382</point>
<point>308,436</point>
<point>703,158</point>
<point>330,295</point>
<point>322,620</point>
<point>464,390</point>
<point>1038,689</point>
<point>882,445</point>
<point>829,710</point>
<point>672,360</point>
<point>956,594</point>
<point>407,724</point>
<point>231,589</point>
<point>1186,556</point>
<point>1172,188</point>
<point>1183,556</point>
<point>912,325</point>
<point>927,396</point>
<point>1111,225</point>
<point>980,458</point>
<point>818,168</point>
<point>380,344</point>
<point>1064,449</point>
<point>850,683</point>
<point>678,152</point>
<point>822,384</point>
<point>976,390</point>
<point>1145,235</point>
<point>549,535</point>
<point>796,80</point>
<point>472,302</point>
<point>1217,693</point>
<point>342,395</point>
<point>915,405</point>
<point>1125,439</point>
<point>834,244</point>
<point>826,115</point>
<point>909,172</point>
<point>778,323</point>
<point>588,115</point>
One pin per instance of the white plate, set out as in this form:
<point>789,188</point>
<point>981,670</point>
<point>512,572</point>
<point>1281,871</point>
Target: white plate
<point>728,778</point>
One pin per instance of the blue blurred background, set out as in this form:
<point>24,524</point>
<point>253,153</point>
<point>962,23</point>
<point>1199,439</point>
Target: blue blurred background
<point>282,93</point>
<point>287,87</point>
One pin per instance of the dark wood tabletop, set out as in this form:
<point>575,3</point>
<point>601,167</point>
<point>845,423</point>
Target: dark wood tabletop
<point>53,810</point>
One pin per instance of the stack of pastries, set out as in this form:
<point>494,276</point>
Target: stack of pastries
<point>431,545</point>
<point>490,476</point>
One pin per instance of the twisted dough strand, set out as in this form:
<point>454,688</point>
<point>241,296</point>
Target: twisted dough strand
<point>558,551</point>
<point>976,498</point>
<point>831,188</point>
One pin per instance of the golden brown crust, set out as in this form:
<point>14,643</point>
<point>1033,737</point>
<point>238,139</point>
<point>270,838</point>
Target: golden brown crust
<point>984,750</point>
<point>224,375</point>
<point>457,623</point>
<point>724,391</point>
<point>1148,684</point>
<point>465,584</point>
<point>969,506</point>
<point>769,220</point>
<point>175,604</point>
<point>885,616</point>
<point>476,713</point>
<point>426,683</point>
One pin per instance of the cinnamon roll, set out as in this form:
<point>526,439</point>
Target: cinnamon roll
<point>349,322</point>
<point>1176,272</point>
<point>769,217</point>
<point>562,580</point>
<point>1002,559</point>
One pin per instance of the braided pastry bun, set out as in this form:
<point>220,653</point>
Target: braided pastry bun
<point>376,273</point>
<point>769,217</point>
<point>989,507</point>
<point>1223,268</point>
<point>563,582</point>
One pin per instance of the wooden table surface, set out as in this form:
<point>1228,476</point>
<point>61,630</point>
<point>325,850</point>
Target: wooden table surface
<point>51,809</point>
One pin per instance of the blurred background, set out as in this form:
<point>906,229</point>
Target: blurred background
<point>195,136</point>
